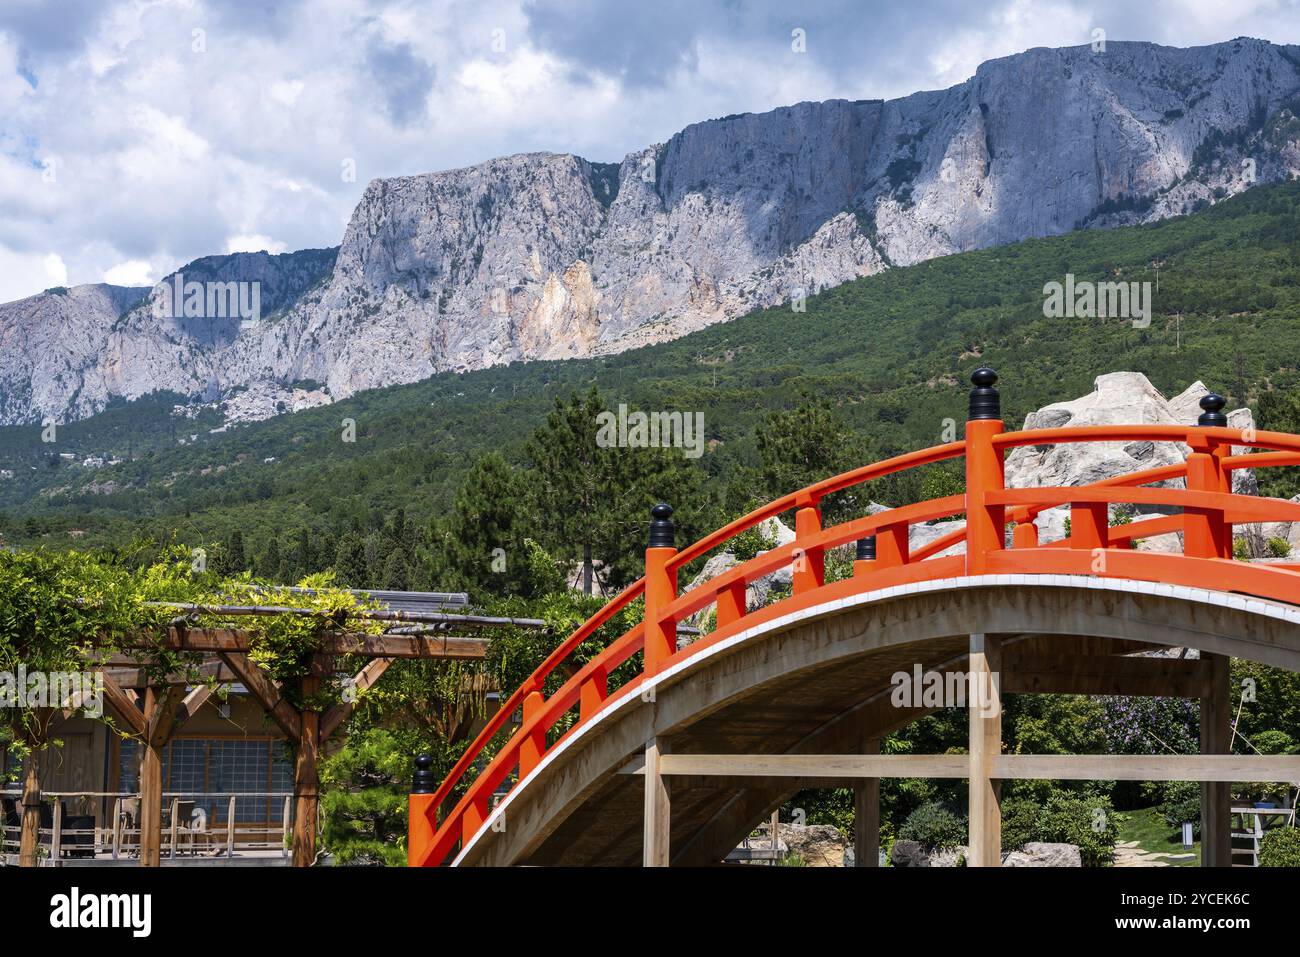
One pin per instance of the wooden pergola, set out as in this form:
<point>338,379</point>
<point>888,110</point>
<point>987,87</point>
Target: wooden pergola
<point>154,708</point>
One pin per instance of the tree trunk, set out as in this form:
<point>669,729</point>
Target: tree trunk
<point>586,568</point>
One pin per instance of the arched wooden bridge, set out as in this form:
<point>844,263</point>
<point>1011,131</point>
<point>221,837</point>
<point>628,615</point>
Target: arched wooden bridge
<point>679,762</point>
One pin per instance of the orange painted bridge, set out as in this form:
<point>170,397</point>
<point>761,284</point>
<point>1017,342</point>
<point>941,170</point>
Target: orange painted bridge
<point>647,752</point>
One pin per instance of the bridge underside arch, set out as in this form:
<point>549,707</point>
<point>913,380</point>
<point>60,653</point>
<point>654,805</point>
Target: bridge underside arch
<point>818,682</point>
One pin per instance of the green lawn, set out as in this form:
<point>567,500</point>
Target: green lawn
<point>1153,835</point>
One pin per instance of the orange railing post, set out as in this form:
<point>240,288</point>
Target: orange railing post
<point>865,555</point>
<point>985,472</point>
<point>534,745</point>
<point>810,563</point>
<point>419,817</point>
<point>660,589</point>
<point>1205,533</point>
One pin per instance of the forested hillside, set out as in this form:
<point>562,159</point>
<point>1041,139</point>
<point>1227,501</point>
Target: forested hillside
<point>889,353</point>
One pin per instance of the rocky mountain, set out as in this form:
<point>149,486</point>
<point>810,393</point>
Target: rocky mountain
<point>544,256</point>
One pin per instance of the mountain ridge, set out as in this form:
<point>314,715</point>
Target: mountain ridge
<point>550,255</point>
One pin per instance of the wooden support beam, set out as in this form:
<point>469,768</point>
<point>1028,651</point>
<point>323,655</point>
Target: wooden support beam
<point>1216,804</point>
<point>334,718</point>
<point>843,770</point>
<point>866,815</point>
<point>1153,767</point>
<point>985,709</point>
<point>1090,674</point>
<point>133,676</point>
<point>658,814</point>
<point>267,693</point>
<point>334,643</point>
<point>836,767</point>
<point>123,705</point>
<point>191,703</point>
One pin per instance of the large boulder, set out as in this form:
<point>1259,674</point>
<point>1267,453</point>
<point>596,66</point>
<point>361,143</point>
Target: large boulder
<point>909,854</point>
<point>1036,854</point>
<point>818,845</point>
<point>1118,398</point>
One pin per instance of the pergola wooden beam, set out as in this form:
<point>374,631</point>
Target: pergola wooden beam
<point>332,643</point>
<point>334,718</point>
<point>267,693</point>
<point>124,705</point>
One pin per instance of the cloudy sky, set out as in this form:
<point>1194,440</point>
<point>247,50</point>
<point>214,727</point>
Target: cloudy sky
<point>136,135</point>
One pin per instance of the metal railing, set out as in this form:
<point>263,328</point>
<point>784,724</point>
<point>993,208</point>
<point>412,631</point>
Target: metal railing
<point>112,831</point>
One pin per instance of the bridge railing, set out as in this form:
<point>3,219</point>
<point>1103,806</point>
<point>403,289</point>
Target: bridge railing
<point>1204,513</point>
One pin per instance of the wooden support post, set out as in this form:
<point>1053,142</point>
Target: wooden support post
<point>655,847</point>
<point>230,827</point>
<point>1216,805</point>
<point>37,737</point>
<point>306,775</point>
<point>159,716</point>
<point>866,816</point>
<point>985,706</point>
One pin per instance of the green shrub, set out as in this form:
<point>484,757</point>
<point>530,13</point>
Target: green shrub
<point>1087,821</point>
<point>1066,818</point>
<point>1280,848</point>
<point>1181,802</point>
<point>1022,822</point>
<point>749,543</point>
<point>934,827</point>
<point>1278,547</point>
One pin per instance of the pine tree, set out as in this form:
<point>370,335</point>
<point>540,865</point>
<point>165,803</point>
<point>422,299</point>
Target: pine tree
<point>592,503</point>
<point>269,566</point>
<point>483,536</point>
<point>350,562</point>
<point>234,558</point>
<point>806,444</point>
<point>397,572</point>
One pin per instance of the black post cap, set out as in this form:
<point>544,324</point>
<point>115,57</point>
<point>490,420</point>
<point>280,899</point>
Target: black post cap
<point>662,530</point>
<point>1213,404</point>
<point>984,400</point>
<point>423,782</point>
<point>867,549</point>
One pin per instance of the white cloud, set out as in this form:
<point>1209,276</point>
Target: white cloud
<point>25,274</point>
<point>253,244</point>
<point>166,154</point>
<point>135,272</point>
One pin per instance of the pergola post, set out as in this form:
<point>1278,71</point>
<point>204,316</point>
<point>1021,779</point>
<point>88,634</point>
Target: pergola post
<point>306,773</point>
<point>985,706</point>
<point>655,848</point>
<point>1216,796</point>
<point>30,837</point>
<point>159,719</point>
<point>866,815</point>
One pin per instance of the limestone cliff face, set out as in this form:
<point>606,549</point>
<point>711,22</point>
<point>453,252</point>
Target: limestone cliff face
<point>550,256</point>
